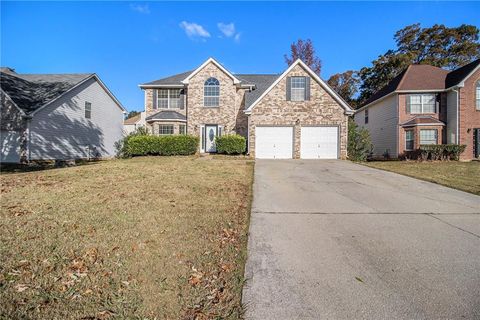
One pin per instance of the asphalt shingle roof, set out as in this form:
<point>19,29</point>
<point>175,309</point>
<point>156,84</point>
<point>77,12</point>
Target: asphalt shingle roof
<point>167,115</point>
<point>172,80</point>
<point>458,75</point>
<point>261,81</point>
<point>30,92</point>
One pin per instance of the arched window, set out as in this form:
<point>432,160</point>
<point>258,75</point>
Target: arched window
<point>211,93</point>
<point>477,91</point>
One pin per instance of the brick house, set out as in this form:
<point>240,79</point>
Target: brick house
<point>290,115</point>
<point>57,117</point>
<point>425,105</point>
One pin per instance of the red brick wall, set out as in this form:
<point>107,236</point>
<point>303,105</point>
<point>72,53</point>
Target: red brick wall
<point>469,117</point>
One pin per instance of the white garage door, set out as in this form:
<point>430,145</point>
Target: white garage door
<point>319,143</point>
<point>273,142</point>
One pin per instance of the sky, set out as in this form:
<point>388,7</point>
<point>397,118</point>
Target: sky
<point>129,43</point>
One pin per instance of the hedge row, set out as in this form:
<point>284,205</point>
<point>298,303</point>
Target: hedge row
<point>171,145</point>
<point>437,152</point>
<point>231,144</point>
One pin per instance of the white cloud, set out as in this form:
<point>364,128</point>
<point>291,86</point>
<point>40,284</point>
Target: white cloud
<point>237,37</point>
<point>228,29</point>
<point>194,30</point>
<point>144,9</point>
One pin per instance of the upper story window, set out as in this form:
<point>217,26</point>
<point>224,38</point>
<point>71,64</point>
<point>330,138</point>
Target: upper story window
<point>298,87</point>
<point>477,95</point>
<point>211,93</point>
<point>168,98</point>
<point>366,116</point>
<point>421,103</point>
<point>88,110</point>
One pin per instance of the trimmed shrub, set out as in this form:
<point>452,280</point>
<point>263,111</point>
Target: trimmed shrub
<point>359,143</point>
<point>441,151</point>
<point>231,144</point>
<point>171,145</point>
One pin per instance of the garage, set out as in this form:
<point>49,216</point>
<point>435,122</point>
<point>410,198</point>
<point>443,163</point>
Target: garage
<point>274,142</point>
<point>319,142</point>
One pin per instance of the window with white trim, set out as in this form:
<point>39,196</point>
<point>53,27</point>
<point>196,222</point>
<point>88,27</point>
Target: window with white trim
<point>422,103</point>
<point>88,110</point>
<point>297,89</point>
<point>168,98</point>
<point>211,93</point>
<point>428,136</point>
<point>165,129</point>
<point>409,140</point>
<point>182,129</point>
<point>477,95</point>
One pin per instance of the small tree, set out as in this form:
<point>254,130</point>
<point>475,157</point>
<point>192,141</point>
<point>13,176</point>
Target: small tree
<point>304,51</point>
<point>359,143</point>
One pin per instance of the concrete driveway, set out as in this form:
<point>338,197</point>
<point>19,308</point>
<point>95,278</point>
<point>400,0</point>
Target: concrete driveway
<point>336,240</point>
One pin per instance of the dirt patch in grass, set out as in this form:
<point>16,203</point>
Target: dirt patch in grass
<point>138,238</point>
<point>459,175</point>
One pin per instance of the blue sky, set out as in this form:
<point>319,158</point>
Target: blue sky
<point>128,43</point>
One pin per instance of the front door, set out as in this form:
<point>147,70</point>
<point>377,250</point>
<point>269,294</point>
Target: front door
<point>211,132</point>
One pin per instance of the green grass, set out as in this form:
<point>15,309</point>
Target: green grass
<point>148,237</point>
<point>459,175</point>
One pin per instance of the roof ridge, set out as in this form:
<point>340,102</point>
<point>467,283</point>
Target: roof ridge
<point>403,77</point>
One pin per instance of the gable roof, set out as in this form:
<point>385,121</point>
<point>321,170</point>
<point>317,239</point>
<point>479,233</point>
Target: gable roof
<point>459,75</point>
<point>210,60</point>
<point>133,120</point>
<point>322,83</point>
<point>31,92</point>
<point>424,77</point>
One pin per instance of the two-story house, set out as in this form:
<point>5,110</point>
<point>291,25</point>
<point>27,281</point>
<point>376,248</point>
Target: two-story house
<point>290,115</point>
<point>425,105</point>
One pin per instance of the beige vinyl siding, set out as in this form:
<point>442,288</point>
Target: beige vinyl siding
<point>452,101</point>
<point>382,125</point>
<point>61,131</point>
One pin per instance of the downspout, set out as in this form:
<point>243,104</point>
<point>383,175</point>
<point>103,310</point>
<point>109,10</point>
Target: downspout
<point>457,138</point>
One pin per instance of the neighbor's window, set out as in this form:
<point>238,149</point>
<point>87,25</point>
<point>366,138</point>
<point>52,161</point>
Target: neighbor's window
<point>165,129</point>
<point>422,103</point>
<point>88,110</point>
<point>428,136</point>
<point>298,85</point>
<point>409,140</point>
<point>168,98</point>
<point>182,129</point>
<point>477,92</point>
<point>366,116</point>
<point>211,93</point>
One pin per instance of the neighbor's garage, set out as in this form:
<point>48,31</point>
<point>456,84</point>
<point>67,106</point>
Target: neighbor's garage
<point>274,142</point>
<point>319,142</point>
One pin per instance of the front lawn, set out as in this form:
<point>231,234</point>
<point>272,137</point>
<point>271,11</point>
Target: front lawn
<point>139,238</point>
<point>459,175</point>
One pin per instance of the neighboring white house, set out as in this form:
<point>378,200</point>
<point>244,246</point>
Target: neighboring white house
<point>133,123</point>
<point>57,117</point>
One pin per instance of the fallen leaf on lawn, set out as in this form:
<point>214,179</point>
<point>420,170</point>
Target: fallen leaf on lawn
<point>359,279</point>
<point>21,287</point>
<point>195,279</point>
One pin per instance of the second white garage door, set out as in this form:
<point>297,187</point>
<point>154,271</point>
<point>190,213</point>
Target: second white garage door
<point>273,142</point>
<point>319,143</point>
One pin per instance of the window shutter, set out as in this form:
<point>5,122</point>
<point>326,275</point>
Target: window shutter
<point>408,103</point>
<point>220,131</point>
<point>307,88</point>
<point>182,99</point>
<point>154,97</point>
<point>289,88</point>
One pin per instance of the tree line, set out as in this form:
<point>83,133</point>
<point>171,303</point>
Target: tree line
<point>438,45</point>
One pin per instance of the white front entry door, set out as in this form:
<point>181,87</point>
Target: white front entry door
<point>274,142</point>
<point>319,143</point>
<point>210,135</point>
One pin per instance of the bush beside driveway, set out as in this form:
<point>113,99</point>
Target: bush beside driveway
<point>144,237</point>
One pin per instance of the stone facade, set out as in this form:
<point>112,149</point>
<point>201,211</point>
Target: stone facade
<point>228,114</point>
<point>469,116</point>
<point>321,109</point>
